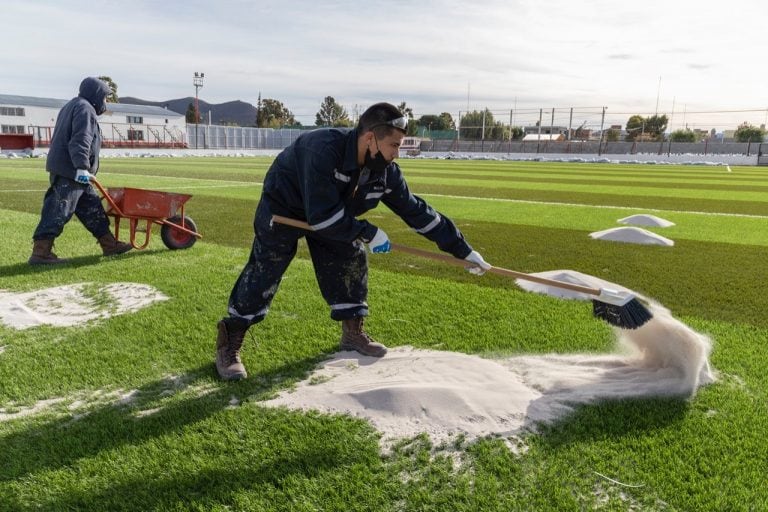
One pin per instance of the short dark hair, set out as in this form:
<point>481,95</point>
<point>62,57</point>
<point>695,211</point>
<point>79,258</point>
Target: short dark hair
<point>376,117</point>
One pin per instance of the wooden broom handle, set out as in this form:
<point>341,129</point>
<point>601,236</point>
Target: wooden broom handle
<point>455,261</point>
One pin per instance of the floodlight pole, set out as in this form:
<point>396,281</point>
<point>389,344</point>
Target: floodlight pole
<point>600,144</point>
<point>482,134</point>
<point>197,81</point>
<point>538,141</point>
<point>458,131</point>
<point>552,125</point>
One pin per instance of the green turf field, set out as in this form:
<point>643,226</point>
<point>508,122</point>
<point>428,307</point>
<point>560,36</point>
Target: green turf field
<point>186,441</point>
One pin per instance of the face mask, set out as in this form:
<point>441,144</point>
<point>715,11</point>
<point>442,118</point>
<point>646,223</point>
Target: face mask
<point>101,108</point>
<point>376,164</point>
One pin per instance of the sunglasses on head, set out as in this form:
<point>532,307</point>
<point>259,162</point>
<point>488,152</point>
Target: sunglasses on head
<point>401,123</point>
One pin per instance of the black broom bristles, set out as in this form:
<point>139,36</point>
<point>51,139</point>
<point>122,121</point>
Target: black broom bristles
<point>631,315</point>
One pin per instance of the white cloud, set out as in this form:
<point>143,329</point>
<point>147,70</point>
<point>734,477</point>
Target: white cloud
<point>525,53</point>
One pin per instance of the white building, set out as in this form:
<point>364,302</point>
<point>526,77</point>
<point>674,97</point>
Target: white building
<point>122,125</point>
<point>544,137</point>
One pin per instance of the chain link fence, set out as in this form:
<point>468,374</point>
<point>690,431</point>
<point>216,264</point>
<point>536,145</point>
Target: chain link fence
<point>206,136</point>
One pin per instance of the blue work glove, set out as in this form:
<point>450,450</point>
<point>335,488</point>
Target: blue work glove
<point>83,176</point>
<point>479,265</point>
<point>380,242</point>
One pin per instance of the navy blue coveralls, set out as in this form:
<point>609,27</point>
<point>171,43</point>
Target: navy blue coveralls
<point>75,145</point>
<point>317,179</point>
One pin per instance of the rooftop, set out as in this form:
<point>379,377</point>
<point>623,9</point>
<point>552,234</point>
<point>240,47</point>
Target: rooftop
<point>122,108</point>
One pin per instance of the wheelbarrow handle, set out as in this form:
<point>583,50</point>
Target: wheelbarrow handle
<point>106,196</point>
<point>458,262</point>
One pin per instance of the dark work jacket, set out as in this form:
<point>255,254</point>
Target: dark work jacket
<point>317,179</point>
<point>76,138</point>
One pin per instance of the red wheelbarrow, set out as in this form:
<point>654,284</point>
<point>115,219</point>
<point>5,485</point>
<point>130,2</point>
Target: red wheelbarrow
<point>154,207</point>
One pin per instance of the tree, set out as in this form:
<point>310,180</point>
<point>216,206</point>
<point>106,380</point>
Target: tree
<point>273,114</point>
<point>635,127</point>
<point>430,122</point>
<point>408,112</point>
<point>517,132</point>
<point>612,135</point>
<point>652,127</point>
<point>749,133</point>
<point>439,123</point>
<point>448,121</point>
<point>635,121</point>
<point>332,114</point>
<point>472,126</point>
<point>190,115</point>
<point>112,96</point>
<point>682,136</point>
<point>656,125</point>
<point>405,110</point>
<point>258,111</point>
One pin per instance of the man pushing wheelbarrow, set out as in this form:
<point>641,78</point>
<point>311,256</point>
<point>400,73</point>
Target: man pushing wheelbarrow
<point>73,159</point>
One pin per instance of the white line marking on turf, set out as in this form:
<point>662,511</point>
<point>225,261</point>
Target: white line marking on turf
<point>448,196</point>
<point>524,201</point>
<point>616,481</point>
<point>175,178</point>
<point>236,184</point>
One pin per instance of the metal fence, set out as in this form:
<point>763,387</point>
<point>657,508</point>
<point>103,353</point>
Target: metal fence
<point>595,147</point>
<point>206,136</point>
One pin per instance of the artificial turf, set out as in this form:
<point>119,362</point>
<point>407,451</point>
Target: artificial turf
<point>187,441</point>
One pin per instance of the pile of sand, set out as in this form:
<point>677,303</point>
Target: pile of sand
<point>74,304</point>
<point>570,277</point>
<point>410,390</point>
<point>646,220</point>
<point>632,235</point>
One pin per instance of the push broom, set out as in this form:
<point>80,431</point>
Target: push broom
<point>618,308</point>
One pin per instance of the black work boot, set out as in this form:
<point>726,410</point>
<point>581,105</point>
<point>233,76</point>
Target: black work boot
<point>42,254</point>
<point>228,344</point>
<point>111,245</point>
<point>353,337</point>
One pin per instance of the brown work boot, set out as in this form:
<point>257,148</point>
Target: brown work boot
<point>228,344</point>
<point>42,254</point>
<point>353,337</point>
<point>111,246</point>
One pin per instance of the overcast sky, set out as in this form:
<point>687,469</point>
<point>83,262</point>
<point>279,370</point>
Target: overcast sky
<point>438,56</point>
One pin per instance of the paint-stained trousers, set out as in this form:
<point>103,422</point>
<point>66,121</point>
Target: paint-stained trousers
<point>341,269</point>
<point>65,198</point>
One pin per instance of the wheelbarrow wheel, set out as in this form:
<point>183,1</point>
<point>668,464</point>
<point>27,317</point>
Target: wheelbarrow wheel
<point>175,238</point>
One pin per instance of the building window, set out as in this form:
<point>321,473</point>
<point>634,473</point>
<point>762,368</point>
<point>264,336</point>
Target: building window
<point>12,111</point>
<point>13,129</point>
<point>134,119</point>
<point>135,134</point>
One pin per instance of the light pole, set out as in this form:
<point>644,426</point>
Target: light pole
<point>197,81</point>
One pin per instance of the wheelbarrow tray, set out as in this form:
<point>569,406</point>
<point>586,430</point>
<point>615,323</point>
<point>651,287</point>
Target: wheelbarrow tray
<point>138,202</point>
<point>152,207</point>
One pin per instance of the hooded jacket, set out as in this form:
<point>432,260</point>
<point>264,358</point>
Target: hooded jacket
<point>76,137</point>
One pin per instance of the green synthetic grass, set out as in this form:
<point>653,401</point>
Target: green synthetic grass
<point>183,440</point>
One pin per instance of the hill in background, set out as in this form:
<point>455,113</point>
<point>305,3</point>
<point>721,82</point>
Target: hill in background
<point>236,112</point>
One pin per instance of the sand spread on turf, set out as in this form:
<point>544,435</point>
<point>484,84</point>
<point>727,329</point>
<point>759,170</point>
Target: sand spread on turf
<point>74,304</point>
<point>410,390</point>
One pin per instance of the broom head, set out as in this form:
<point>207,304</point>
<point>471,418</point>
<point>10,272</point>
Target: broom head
<point>621,309</point>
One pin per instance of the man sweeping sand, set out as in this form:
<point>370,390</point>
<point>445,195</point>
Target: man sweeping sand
<point>446,393</point>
